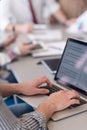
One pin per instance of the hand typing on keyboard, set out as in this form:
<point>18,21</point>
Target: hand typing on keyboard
<point>55,88</point>
<point>51,89</point>
<point>59,101</point>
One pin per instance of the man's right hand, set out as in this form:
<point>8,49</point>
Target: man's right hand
<point>58,101</point>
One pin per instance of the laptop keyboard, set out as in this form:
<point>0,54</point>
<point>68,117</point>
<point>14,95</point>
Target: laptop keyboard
<point>52,89</point>
<point>55,88</point>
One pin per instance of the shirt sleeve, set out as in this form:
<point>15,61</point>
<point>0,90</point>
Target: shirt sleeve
<point>4,59</point>
<point>7,57</point>
<point>52,5</point>
<point>30,121</point>
<point>6,16</point>
<point>33,121</point>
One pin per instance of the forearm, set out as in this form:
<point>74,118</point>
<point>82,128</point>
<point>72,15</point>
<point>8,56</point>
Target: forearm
<point>14,27</point>
<point>33,121</point>
<point>47,109</point>
<point>60,16</point>
<point>8,89</point>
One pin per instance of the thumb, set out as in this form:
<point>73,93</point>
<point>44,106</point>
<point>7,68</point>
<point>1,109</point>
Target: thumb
<point>43,91</point>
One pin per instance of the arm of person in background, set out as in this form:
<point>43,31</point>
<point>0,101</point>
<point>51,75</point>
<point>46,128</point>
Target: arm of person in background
<point>13,54</point>
<point>4,58</point>
<point>8,21</point>
<point>58,14</point>
<point>56,11</point>
<point>62,18</point>
<point>22,28</point>
<point>20,49</point>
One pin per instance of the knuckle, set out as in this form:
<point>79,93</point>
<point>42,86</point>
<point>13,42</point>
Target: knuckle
<point>74,91</point>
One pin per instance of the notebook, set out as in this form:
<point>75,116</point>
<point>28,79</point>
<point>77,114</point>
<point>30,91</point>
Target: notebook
<point>40,26</point>
<point>54,49</point>
<point>46,35</point>
<point>51,64</point>
<point>72,74</point>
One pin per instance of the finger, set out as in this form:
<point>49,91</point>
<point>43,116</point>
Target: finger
<point>30,47</point>
<point>72,94</point>
<point>42,91</point>
<point>26,47</point>
<point>48,82</point>
<point>44,80</point>
<point>74,101</point>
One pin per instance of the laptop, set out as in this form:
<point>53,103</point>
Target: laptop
<point>51,64</point>
<point>72,74</point>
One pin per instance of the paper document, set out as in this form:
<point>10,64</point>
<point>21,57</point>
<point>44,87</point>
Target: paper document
<point>47,35</point>
<point>40,26</point>
<point>53,49</point>
<point>57,45</point>
<point>80,25</point>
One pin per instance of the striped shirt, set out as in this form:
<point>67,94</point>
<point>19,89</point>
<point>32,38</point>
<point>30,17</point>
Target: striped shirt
<point>30,121</point>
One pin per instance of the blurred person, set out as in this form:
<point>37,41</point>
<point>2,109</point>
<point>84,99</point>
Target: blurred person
<point>36,120</point>
<point>19,15</point>
<point>10,54</point>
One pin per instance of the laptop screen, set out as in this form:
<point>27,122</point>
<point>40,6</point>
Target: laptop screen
<point>72,70</point>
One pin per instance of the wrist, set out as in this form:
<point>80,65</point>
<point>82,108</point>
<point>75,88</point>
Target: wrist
<point>16,27</point>
<point>13,28</point>
<point>16,88</point>
<point>13,89</point>
<point>47,108</point>
<point>10,27</point>
<point>13,56</point>
<point>64,22</point>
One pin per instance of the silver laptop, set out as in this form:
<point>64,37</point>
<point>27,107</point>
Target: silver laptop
<point>72,74</point>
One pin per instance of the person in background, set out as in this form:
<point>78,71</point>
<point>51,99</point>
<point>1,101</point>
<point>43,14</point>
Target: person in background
<point>36,120</point>
<point>11,54</point>
<point>19,15</point>
<point>72,9</point>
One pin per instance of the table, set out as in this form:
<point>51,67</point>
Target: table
<point>28,69</point>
